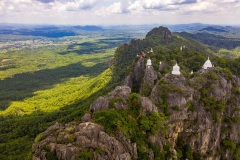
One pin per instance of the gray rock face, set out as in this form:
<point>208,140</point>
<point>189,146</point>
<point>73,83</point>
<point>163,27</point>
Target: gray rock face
<point>162,66</point>
<point>203,112</point>
<point>87,117</point>
<point>190,113</point>
<point>179,92</point>
<point>100,104</point>
<point>119,91</point>
<point>150,76</point>
<point>149,79</point>
<point>135,78</point>
<point>161,33</point>
<point>128,81</point>
<point>147,106</point>
<point>69,141</point>
<point>118,96</point>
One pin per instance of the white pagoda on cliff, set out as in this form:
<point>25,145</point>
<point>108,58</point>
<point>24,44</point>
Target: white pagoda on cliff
<point>176,70</point>
<point>151,51</point>
<point>207,64</point>
<point>149,63</point>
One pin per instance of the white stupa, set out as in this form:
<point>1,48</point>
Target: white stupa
<point>207,64</point>
<point>151,51</point>
<point>176,70</point>
<point>149,62</point>
<point>192,72</point>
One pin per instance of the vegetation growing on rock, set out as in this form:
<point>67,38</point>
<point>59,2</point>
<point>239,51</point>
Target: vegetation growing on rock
<point>179,117</point>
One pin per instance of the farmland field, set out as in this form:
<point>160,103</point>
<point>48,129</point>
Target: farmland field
<point>47,80</point>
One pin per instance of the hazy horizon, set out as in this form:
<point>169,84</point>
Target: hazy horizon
<point>119,12</point>
<point>110,25</point>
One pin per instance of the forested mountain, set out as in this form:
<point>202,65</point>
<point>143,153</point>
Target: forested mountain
<point>50,31</point>
<point>166,46</point>
<point>216,41</point>
<point>224,40</point>
<point>156,115</point>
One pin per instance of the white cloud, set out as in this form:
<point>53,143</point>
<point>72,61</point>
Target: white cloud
<point>119,11</point>
<point>204,6</point>
<point>159,4</point>
<point>120,7</point>
<point>73,5</point>
<point>231,1</point>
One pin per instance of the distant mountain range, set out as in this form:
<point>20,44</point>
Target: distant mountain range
<point>55,31</point>
<point>50,31</point>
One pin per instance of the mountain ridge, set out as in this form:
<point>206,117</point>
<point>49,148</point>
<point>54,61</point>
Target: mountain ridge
<point>155,115</point>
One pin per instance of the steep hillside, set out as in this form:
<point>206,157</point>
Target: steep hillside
<point>156,115</point>
<point>225,41</point>
<point>166,48</point>
<point>195,118</point>
<point>39,86</point>
<point>216,41</point>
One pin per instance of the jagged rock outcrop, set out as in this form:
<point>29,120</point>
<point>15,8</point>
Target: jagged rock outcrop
<point>203,119</point>
<point>149,80</point>
<point>198,112</point>
<point>100,104</point>
<point>86,118</point>
<point>134,80</point>
<point>147,106</point>
<point>160,34</point>
<point>198,109</point>
<point>73,141</point>
<point>118,97</point>
<point>142,79</point>
<point>162,66</point>
<point>167,117</point>
<point>177,89</point>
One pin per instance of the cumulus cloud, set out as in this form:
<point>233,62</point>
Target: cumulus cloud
<point>231,1</point>
<point>159,4</point>
<point>51,11</point>
<point>75,5</point>
<point>119,7</point>
<point>187,2</point>
<point>46,1</point>
<point>204,6</point>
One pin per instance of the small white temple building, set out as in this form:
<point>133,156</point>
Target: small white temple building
<point>151,51</point>
<point>149,63</point>
<point>176,70</point>
<point>207,64</point>
<point>182,47</point>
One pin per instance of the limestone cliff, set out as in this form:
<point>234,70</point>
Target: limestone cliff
<point>81,141</point>
<point>154,115</point>
<point>203,120</point>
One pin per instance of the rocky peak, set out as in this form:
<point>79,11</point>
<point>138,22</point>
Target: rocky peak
<point>203,115</point>
<point>152,116</point>
<point>159,34</point>
<point>149,80</point>
<point>147,106</point>
<point>118,98</point>
<point>162,66</point>
<point>74,141</point>
<point>135,78</point>
<point>206,100</point>
<point>172,89</point>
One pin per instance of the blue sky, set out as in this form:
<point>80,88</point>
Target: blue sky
<point>118,12</point>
